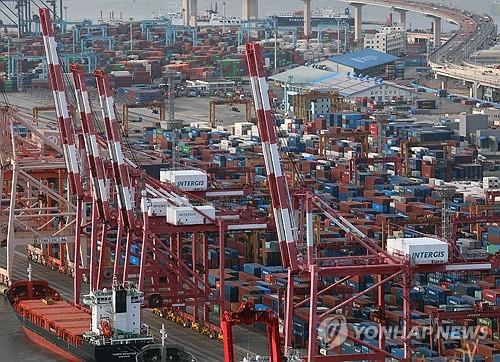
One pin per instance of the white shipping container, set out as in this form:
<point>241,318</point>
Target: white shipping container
<point>420,250</point>
<point>255,131</point>
<point>490,182</point>
<point>186,180</point>
<point>438,182</point>
<point>241,128</point>
<point>121,73</point>
<point>155,207</point>
<point>189,216</point>
<point>310,137</point>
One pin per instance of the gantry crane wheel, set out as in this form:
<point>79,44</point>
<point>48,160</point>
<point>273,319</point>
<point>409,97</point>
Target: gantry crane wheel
<point>155,301</point>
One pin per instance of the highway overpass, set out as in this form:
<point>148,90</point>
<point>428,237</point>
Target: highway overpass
<point>448,60</point>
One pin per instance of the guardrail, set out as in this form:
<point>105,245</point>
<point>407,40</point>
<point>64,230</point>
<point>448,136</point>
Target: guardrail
<point>472,74</point>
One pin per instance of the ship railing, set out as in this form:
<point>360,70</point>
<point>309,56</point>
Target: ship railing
<point>130,340</point>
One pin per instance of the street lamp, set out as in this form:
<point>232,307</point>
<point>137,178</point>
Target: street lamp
<point>223,17</point>
<point>131,34</point>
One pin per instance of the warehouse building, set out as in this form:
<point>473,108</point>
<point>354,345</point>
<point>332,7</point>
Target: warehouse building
<point>470,123</point>
<point>369,62</point>
<point>304,79</point>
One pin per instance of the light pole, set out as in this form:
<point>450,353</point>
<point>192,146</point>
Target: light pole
<point>131,34</point>
<point>223,17</point>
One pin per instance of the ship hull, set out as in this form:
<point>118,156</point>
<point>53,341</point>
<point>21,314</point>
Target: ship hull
<point>298,21</point>
<point>45,343</point>
<point>87,352</point>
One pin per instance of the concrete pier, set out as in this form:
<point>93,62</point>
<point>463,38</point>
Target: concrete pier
<point>402,16</point>
<point>357,20</point>
<point>190,12</point>
<point>436,25</point>
<point>307,18</point>
<point>250,10</point>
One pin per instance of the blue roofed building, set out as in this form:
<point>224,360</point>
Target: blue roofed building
<point>303,79</point>
<point>369,62</point>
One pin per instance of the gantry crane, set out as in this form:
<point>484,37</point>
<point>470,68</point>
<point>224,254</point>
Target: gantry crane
<point>280,195</point>
<point>218,102</point>
<point>302,103</point>
<point>168,277</point>
<point>338,134</point>
<point>411,142</point>
<point>460,219</point>
<point>61,102</point>
<point>39,213</point>
<point>479,311</point>
<point>354,162</point>
<point>185,283</point>
<point>40,109</point>
<point>245,315</point>
<point>151,105</point>
<point>98,179</point>
<point>375,261</point>
<point>429,221</point>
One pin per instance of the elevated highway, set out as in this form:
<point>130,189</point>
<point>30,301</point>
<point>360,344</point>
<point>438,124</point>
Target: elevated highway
<point>449,60</point>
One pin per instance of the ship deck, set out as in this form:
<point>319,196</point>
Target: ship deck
<point>60,314</point>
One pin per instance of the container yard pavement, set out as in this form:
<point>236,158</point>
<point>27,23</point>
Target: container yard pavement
<point>187,109</point>
<point>202,347</point>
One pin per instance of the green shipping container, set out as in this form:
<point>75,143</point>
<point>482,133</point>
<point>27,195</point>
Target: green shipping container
<point>485,322</point>
<point>478,294</point>
<point>8,85</point>
<point>492,249</point>
<point>117,67</point>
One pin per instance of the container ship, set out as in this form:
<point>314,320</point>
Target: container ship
<point>318,16</point>
<point>210,18</point>
<point>116,332</point>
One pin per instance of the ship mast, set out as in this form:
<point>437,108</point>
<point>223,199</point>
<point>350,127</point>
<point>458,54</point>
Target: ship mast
<point>29,270</point>
<point>163,332</point>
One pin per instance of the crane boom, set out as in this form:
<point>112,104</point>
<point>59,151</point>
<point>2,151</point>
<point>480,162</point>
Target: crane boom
<point>278,187</point>
<point>120,172</point>
<point>63,117</point>
<point>97,170</point>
